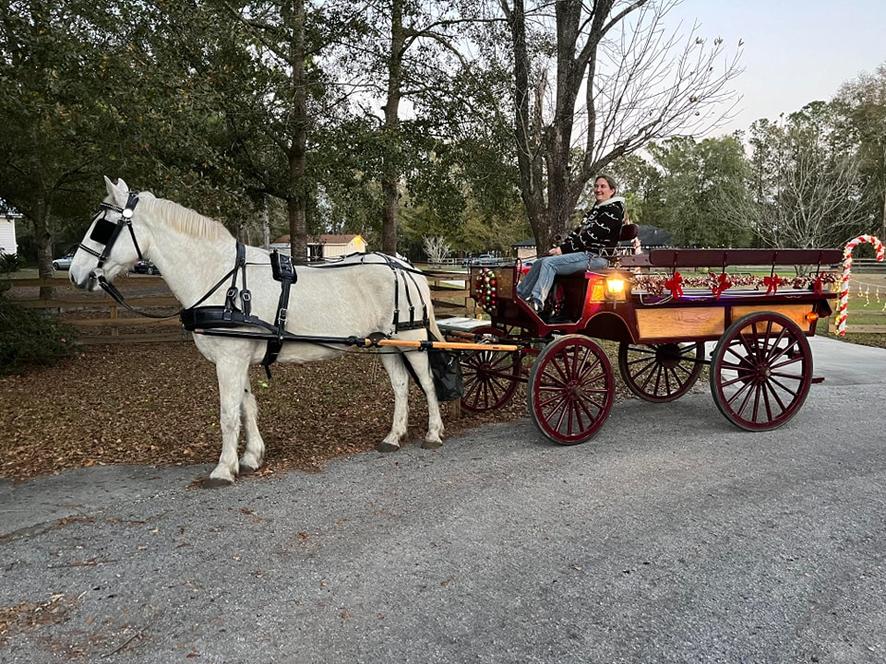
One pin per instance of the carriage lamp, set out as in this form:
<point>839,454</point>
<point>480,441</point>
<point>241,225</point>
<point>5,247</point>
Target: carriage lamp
<point>812,316</point>
<point>615,287</point>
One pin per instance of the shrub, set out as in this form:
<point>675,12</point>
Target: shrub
<point>10,262</point>
<point>29,337</point>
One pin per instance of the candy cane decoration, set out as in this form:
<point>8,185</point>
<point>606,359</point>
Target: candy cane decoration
<point>843,307</point>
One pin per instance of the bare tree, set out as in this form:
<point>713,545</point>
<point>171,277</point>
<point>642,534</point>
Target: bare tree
<point>639,83</point>
<point>812,203</point>
<point>437,248</point>
<point>804,186</point>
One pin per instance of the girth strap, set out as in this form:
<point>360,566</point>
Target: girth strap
<point>284,272</point>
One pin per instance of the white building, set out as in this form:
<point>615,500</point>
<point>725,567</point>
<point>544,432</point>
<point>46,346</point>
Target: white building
<point>8,244</point>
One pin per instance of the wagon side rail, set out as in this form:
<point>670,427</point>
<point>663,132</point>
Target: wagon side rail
<point>670,258</point>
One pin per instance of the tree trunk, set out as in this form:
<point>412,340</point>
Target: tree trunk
<point>296,200</point>
<point>264,220</point>
<point>531,185</point>
<point>391,168</point>
<point>43,239</point>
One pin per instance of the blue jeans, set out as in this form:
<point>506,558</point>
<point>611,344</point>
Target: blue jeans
<point>538,282</point>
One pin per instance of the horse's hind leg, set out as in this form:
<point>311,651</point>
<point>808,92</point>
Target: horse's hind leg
<point>255,447</point>
<point>393,364</point>
<point>422,369</point>
<point>232,377</point>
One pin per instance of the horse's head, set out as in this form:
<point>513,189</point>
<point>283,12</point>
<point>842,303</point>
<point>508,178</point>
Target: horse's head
<point>109,247</point>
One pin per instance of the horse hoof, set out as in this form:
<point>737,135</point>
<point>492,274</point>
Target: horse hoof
<point>216,483</point>
<point>385,446</point>
<point>432,444</point>
<point>246,470</point>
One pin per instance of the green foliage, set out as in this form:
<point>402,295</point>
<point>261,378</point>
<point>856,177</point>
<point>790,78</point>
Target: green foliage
<point>29,338</point>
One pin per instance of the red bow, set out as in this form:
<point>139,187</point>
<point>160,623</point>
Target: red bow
<point>675,285</point>
<point>772,283</point>
<point>722,283</point>
<point>818,285</point>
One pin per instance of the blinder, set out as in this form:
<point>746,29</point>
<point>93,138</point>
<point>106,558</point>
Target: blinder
<point>105,232</point>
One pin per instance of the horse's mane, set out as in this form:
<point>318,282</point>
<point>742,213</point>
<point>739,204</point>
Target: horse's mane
<point>185,220</point>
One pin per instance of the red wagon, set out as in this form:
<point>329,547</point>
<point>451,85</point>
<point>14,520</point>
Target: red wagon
<point>760,367</point>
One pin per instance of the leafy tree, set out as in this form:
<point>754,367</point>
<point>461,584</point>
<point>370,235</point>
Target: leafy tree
<point>696,177</point>
<point>861,103</point>
<point>56,62</point>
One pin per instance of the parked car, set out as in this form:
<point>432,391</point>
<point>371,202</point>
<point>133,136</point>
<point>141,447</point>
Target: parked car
<point>145,267</point>
<point>64,262</point>
<point>483,259</point>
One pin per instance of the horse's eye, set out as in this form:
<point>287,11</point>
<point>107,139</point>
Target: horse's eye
<point>102,231</point>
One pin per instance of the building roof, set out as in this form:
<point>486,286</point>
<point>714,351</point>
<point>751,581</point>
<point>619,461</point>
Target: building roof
<point>530,242</point>
<point>326,238</point>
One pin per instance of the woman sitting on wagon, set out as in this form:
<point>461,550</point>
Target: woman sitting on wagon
<point>580,251</point>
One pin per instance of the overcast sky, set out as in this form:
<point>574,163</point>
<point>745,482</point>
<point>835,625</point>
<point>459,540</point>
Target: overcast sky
<point>795,51</point>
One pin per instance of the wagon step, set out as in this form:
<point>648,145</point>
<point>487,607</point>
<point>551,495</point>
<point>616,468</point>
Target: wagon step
<point>817,379</point>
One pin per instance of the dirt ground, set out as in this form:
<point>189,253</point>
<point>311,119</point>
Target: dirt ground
<point>158,404</point>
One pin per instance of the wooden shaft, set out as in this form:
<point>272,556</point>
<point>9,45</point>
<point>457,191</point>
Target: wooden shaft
<point>443,345</point>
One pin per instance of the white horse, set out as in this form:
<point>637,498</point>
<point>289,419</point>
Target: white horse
<point>194,252</point>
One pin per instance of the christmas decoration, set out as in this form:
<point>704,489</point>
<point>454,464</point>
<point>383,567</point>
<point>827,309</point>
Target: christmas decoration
<point>486,289</point>
<point>719,283</point>
<point>674,284</point>
<point>772,283</point>
<point>843,306</point>
<point>657,284</point>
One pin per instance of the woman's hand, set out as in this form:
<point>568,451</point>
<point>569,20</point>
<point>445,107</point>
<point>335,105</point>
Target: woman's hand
<point>556,251</point>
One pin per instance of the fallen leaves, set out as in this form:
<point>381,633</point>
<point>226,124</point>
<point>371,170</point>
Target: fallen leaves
<point>158,404</point>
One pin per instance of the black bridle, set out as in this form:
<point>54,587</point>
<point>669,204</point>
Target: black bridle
<point>105,232</point>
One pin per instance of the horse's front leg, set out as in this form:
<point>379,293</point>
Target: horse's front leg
<point>231,383</point>
<point>255,447</point>
<point>393,364</point>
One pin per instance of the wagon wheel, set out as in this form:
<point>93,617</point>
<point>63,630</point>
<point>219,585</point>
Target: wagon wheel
<point>571,389</point>
<point>490,377</point>
<point>761,371</point>
<point>660,372</point>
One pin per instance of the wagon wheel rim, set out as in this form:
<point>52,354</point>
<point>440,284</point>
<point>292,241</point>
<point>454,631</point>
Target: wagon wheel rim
<point>571,390</point>
<point>660,372</point>
<point>490,378</point>
<point>761,372</point>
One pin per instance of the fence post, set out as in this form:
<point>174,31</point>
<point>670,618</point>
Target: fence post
<point>115,331</point>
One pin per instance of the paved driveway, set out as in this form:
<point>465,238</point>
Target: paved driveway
<point>673,537</point>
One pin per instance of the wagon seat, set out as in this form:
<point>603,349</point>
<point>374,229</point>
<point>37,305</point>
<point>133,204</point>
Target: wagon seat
<point>570,292</point>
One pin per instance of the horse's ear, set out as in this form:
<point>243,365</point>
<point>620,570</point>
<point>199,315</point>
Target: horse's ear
<point>118,192</point>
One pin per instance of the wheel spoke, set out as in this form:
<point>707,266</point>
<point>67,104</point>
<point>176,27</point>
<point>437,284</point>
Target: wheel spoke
<point>765,391</point>
<point>542,404</point>
<point>756,403</point>
<point>651,364</point>
<point>737,392</point>
<point>746,399</point>
<point>776,397</point>
<point>777,341</point>
<point>793,360</point>
<point>785,388</point>
<point>784,375</point>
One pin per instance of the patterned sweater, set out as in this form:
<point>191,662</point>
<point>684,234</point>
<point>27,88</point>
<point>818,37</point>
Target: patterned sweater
<point>601,227</point>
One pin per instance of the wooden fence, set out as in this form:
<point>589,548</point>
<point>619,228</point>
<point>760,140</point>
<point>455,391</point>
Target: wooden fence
<point>100,320</point>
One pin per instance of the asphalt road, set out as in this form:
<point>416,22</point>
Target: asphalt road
<point>672,537</point>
